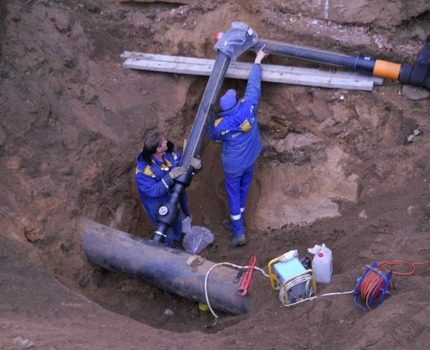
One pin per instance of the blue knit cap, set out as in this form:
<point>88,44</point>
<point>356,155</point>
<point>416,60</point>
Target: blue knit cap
<point>228,100</point>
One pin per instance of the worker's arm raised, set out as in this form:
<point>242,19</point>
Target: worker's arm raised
<point>253,88</point>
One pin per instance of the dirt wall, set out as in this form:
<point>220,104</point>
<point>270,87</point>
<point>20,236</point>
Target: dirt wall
<point>385,14</point>
<point>337,167</point>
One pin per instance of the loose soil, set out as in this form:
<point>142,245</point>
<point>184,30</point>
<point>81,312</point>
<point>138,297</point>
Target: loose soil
<point>339,167</point>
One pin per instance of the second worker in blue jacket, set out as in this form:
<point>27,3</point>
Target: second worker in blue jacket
<point>236,126</point>
<point>158,165</point>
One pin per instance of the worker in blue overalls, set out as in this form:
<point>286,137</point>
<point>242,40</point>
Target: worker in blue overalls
<point>156,171</point>
<point>236,126</point>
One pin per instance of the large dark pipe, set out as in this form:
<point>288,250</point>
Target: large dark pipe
<point>169,269</point>
<point>357,63</point>
<point>168,212</point>
<point>416,75</point>
<point>239,38</point>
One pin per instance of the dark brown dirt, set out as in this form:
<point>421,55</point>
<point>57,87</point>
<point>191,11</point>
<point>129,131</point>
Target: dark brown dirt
<point>336,168</point>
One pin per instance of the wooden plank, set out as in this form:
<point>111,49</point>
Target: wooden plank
<point>240,70</point>
<point>327,81</point>
<point>247,66</point>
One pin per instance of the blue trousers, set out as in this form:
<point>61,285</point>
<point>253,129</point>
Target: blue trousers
<point>237,187</point>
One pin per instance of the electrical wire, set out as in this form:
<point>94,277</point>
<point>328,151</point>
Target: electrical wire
<point>372,288</point>
<point>385,264</point>
<point>318,296</point>
<point>369,289</point>
<point>239,267</point>
<point>285,287</point>
<point>375,283</point>
<point>283,293</point>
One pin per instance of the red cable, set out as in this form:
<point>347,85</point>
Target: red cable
<point>386,263</point>
<point>370,287</point>
<point>372,282</point>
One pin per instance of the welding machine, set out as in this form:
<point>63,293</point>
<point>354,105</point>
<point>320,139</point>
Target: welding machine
<point>293,278</point>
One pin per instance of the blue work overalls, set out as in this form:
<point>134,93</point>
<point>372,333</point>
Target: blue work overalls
<point>238,130</point>
<point>153,183</point>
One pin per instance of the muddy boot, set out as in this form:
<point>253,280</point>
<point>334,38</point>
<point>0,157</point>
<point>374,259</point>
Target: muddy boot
<point>239,241</point>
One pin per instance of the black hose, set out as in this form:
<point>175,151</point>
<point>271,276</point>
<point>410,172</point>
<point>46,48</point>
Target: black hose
<point>416,75</point>
<point>356,63</point>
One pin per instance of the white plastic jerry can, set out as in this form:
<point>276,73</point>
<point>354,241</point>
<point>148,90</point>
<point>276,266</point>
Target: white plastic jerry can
<point>322,265</point>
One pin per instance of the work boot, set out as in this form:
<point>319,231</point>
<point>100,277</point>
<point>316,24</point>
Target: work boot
<point>238,241</point>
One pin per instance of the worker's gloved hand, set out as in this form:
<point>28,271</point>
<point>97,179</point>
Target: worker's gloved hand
<point>196,164</point>
<point>177,171</point>
<point>260,55</point>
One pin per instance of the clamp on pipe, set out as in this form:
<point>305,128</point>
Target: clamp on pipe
<point>236,40</point>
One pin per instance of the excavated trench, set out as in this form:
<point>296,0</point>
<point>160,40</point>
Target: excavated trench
<point>304,183</point>
<point>300,178</point>
<point>336,168</point>
<point>136,298</point>
<point>147,304</point>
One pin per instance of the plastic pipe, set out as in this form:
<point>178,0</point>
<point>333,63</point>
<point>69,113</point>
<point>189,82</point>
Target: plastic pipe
<point>169,269</point>
<point>416,75</point>
<point>168,212</point>
<point>231,44</point>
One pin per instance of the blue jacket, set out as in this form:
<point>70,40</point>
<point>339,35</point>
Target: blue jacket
<point>154,182</point>
<point>238,130</point>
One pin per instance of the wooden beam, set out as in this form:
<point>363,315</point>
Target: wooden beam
<point>240,70</point>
